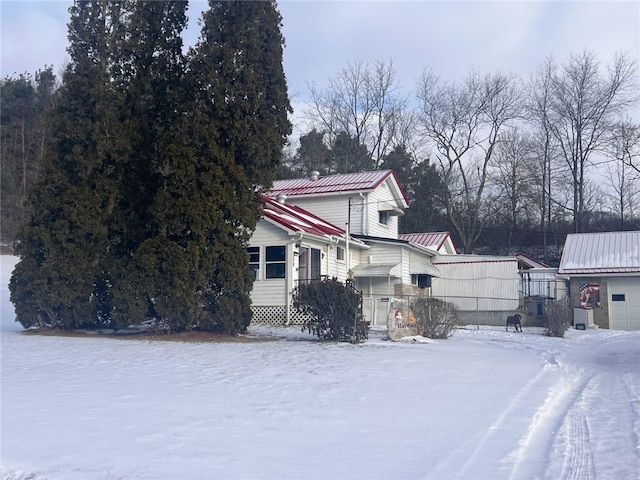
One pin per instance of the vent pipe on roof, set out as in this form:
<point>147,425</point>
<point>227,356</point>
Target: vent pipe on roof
<point>314,175</point>
<point>281,198</point>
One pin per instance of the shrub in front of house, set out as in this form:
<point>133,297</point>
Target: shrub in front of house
<point>558,318</point>
<point>436,318</point>
<point>333,311</point>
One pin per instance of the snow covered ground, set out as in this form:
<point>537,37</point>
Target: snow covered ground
<point>485,404</point>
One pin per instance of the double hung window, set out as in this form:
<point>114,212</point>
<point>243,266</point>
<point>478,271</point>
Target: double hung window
<point>275,261</point>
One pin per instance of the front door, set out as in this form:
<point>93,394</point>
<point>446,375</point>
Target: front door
<point>309,264</point>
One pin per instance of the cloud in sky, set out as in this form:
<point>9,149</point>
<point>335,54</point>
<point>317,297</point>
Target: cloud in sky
<point>450,37</point>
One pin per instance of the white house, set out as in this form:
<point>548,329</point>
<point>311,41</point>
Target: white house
<point>291,245</point>
<point>604,274</point>
<point>346,226</point>
<point>342,226</point>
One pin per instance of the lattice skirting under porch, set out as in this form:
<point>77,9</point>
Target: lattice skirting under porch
<point>275,315</point>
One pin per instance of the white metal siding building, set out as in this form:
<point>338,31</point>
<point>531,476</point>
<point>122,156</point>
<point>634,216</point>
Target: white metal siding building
<point>478,282</point>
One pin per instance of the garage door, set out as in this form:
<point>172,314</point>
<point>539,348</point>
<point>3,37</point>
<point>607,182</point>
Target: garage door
<point>624,303</point>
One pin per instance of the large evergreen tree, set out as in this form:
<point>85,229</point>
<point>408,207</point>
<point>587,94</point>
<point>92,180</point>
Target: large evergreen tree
<point>239,126</point>
<point>312,155</point>
<point>151,189</point>
<point>63,247</point>
<point>152,278</point>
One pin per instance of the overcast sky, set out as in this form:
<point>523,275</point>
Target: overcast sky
<point>322,37</point>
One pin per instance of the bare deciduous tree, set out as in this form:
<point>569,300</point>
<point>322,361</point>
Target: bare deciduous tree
<point>623,192</point>
<point>363,101</point>
<point>624,143</point>
<point>510,183</point>
<point>623,174</point>
<point>543,169</point>
<point>582,107</point>
<point>464,123</point>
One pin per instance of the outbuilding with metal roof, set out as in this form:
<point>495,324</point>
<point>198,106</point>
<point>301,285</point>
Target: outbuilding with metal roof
<point>604,273</point>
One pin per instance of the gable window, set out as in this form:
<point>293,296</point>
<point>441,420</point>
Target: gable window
<point>254,261</point>
<point>275,262</point>
<point>340,254</point>
<point>422,280</point>
<point>383,217</point>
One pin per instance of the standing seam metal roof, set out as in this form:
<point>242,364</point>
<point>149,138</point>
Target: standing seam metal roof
<point>604,252</point>
<point>346,182</point>
<point>299,220</point>
<point>432,240</point>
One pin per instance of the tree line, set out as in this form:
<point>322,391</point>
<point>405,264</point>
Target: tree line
<point>147,172</point>
<point>495,159</point>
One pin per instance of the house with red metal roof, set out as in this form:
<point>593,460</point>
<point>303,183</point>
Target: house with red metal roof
<point>292,245</point>
<point>346,226</point>
<point>343,226</point>
<point>604,276</point>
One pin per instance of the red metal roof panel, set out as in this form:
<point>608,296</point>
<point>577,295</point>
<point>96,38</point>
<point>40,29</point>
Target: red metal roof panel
<point>346,182</point>
<point>298,220</point>
<point>432,240</point>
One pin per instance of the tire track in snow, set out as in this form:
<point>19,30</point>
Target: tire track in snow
<point>561,413</point>
<point>578,464</point>
<point>476,448</point>
<point>505,418</point>
<point>634,407</point>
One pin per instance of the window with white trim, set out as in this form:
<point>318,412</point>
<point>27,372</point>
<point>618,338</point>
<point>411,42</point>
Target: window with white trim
<point>254,261</point>
<point>275,261</point>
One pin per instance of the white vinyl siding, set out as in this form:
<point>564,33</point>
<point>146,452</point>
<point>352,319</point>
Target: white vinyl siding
<point>332,208</point>
<point>274,291</point>
<point>364,218</point>
<point>381,199</point>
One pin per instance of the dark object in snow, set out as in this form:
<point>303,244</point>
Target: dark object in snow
<point>581,326</point>
<point>515,321</point>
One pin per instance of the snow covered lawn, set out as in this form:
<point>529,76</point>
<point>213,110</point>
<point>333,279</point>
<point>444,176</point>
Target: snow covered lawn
<point>485,404</point>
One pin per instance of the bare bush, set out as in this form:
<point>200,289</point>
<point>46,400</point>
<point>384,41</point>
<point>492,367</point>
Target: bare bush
<point>436,318</point>
<point>558,318</point>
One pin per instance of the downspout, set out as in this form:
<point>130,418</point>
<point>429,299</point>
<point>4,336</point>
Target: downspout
<point>333,245</point>
<point>288,281</point>
<point>346,239</point>
<point>346,250</point>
